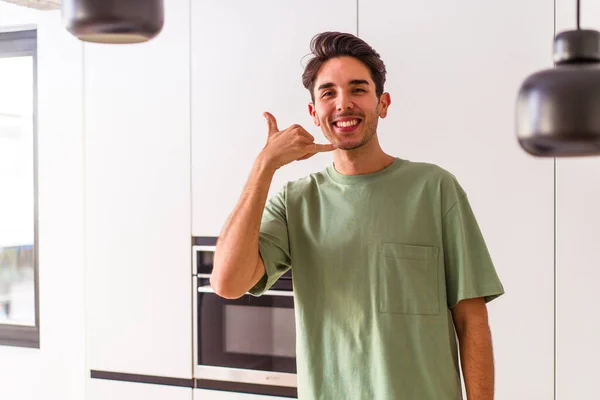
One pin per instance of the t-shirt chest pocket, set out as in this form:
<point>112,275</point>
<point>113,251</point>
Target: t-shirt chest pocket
<point>408,279</point>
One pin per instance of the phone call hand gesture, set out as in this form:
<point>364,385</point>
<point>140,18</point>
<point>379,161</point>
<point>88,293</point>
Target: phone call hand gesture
<point>291,144</point>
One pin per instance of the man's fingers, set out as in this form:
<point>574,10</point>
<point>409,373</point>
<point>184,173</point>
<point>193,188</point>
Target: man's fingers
<point>307,135</point>
<point>315,148</point>
<point>299,130</point>
<point>318,148</point>
<point>324,147</point>
<point>306,156</point>
<point>271,123</point>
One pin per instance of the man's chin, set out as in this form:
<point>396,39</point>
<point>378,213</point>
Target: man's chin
<point>352,143</point>
<point>349,145</point>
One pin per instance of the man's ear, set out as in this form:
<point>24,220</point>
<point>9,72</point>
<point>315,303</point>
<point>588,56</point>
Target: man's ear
<point>313,113</point>
<point>384,102</point>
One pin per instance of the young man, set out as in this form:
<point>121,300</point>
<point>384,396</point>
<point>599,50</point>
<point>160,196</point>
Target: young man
<point>388,259</point>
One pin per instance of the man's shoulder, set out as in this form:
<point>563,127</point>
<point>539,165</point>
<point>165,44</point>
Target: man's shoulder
<point>304,184</point>
<point>300,187</point>
<point>427,167</point>
<point>440,181</point>
<point>429,171</point>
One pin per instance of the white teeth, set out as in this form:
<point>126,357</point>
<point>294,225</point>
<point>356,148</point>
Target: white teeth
<point>345,124</point>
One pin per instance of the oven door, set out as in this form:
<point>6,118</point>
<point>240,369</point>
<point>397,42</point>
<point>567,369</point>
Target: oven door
<point>250,339</point>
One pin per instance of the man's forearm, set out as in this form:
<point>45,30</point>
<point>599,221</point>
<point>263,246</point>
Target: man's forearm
<point>236,255</point>
<point>477,360</point>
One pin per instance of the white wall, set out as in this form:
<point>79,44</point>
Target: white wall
<point>57,369</point>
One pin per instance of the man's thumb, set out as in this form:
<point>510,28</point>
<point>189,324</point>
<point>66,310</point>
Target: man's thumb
<point>271,122</point>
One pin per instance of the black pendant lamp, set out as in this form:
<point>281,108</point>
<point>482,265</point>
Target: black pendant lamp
<point>113,21</point>
<point>558,109</point>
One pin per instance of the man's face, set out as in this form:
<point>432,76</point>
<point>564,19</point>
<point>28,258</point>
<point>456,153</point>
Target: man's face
<point>346,106</point>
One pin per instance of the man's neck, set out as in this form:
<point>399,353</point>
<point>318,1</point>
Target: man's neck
<point>364,160</point>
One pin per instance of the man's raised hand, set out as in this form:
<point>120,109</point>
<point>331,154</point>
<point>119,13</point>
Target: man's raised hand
<point>291,144</point>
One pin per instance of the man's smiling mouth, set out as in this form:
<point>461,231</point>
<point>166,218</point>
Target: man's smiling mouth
<point>346,123</point>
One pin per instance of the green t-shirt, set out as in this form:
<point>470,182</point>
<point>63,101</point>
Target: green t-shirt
<point>378,261</point>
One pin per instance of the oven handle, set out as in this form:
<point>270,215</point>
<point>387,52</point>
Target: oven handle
<point>208,289</point>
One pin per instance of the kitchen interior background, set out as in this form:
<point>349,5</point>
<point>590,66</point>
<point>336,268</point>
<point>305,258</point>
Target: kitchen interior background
<point>142,147</point>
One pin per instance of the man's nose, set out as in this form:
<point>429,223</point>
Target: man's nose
<point>344,102</point>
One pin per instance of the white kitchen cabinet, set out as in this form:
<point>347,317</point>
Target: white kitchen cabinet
<point>247,59</point>
<point>204,394</point>
<point>454,70</point>
<point>577,259</point>
<point>100,389</point>
<point>137,196</point>
<point>578,274</point>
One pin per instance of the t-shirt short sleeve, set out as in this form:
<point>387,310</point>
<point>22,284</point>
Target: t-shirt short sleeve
<point>273,243</point>
<point>469,269</point>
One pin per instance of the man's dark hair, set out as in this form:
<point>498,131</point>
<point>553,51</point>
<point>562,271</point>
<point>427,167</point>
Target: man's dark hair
<point>328,45</point>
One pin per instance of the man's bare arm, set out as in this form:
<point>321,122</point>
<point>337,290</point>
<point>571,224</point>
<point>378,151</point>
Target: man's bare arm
<point>237,265</point>
<point>476,353</point>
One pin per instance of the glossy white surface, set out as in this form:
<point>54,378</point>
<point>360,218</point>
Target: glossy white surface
<point>577,260</point>
<point>137,152</point>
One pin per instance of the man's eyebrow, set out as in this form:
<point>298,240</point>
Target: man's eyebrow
<point>352,82</point>
<point>325,86</point>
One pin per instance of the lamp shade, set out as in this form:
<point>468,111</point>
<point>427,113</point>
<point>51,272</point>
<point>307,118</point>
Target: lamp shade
<point>113,21</point>
<point>558,109</point>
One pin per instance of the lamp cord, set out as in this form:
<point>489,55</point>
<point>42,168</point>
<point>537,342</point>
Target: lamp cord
<point>578,14</point>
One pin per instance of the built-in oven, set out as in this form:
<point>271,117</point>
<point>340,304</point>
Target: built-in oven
<point>249,341</point>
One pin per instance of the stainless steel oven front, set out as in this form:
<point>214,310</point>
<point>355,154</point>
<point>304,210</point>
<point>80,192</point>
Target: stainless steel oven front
<point>249,340</point>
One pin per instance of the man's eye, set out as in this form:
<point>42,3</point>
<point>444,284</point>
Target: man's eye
<point>359,90</point>
<point>328,93</point>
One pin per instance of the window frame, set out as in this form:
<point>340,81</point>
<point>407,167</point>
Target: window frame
<point>15,43</point>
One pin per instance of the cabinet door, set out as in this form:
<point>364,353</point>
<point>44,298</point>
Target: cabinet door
<point>577,260</point>
<point>454,69</point>
<point>246,59</point>
<point>137,138</point>
<point>98,389</point>
<point>203,394</point>
<point>578,274</point>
